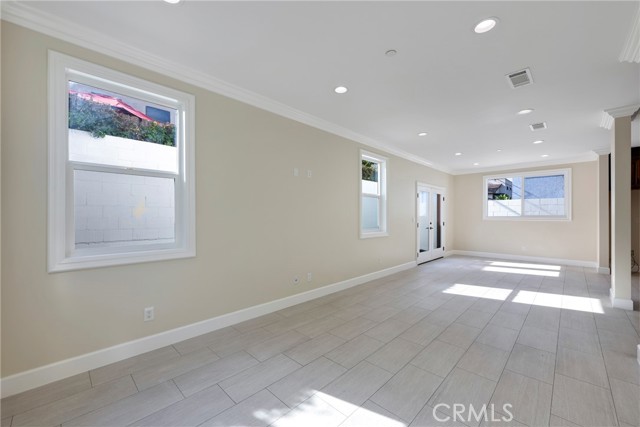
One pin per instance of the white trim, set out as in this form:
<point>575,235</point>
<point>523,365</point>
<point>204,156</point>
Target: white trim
<point>21,14</point>
<point>511,257</point>
<point>638,353</point>
<point>603,151</point>
<point>622,303</point>
<point>528,174</point>
<point>606,122</point>
<point>61,253</point>
<point>587,157</point>
<point>604,270</point>
<point>27,380</point>
<point>383,231</point>
<point>626,111</point>
<point>631,50</point>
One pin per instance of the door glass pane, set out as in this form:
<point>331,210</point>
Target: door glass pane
<point>423,220</point>
<point>370,213</point>
<point>109,128</point>
<point>113,209</point>
<point>437,220</point>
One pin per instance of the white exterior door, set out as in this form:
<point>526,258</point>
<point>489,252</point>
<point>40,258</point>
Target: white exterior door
<point>429,222</point>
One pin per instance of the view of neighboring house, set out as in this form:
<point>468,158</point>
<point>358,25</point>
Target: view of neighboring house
<point>499,186</point>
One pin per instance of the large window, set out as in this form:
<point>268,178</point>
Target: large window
<point>121,168</point>
<point>373,195</point>
<point>529,195</point>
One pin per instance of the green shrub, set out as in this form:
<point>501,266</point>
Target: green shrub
<point>503,197</point>
<point>102,120</point>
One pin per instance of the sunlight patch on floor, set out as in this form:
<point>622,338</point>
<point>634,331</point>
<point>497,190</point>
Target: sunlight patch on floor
<point>567,302</point>
<point>519,270</point>
<point>478,291</point>
<point>524,265</point>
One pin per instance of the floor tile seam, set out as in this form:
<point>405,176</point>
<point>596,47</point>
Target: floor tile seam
<point>584,382</point>
<point>394,374</point>
<point>123,398</point>
<point>80,415</point>
<point>615,409</point>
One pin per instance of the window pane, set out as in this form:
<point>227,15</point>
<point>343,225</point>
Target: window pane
<point>504,196</point>
<point>370,170</point>
<point>544,195</point>
<point>118,209</point>
<point>108,128</point>
<point>370,213</point>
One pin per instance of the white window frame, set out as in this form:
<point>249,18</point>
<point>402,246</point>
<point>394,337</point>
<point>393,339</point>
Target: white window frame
<point>567,196</point>
<point>382,197</point>
<point>62,255</point>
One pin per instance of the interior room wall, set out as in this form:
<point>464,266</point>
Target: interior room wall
<point>566,240</point>
<point>635,223</point>
<point>258,226</point>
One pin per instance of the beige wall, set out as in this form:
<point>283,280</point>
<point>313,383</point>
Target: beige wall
<point>257,225</point>
<point>635,222</point>
<point>574,240</point>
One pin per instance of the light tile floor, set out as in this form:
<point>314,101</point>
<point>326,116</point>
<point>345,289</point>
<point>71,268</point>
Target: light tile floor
<point>538,341</point>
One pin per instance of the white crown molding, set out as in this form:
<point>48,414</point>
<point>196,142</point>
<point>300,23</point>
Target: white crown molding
<point>602,151</point>
<point>625,111</point>
<point>590,156</point>
<point>26,16</point>
<point>631,50</point>
<point>607,121</point>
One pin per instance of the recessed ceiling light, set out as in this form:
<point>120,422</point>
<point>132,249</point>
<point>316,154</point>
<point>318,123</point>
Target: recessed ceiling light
<point>340,89</point>
<point>476,164</point>
<point>422,134</point>
<point>540,141</point>
<point>172,1</point>
<point>545,155</point>
<point>458,154</point>
<point>498,150</point>
<point>525,111</point>
<point>391,52</point>
<point>485,25</point>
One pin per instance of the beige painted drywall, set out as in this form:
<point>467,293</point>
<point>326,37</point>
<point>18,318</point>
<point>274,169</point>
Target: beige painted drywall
<point>635,222</point>
<point>573,240</point>
<point>257,224</point>
<point>603,230</point>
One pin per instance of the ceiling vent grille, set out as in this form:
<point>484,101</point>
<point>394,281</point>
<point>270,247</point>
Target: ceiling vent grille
<point>520,78</point>
<point>538,126</point>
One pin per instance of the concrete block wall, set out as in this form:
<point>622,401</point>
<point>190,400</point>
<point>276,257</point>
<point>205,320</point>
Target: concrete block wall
<point>541,207</point>
<point>113,208</point>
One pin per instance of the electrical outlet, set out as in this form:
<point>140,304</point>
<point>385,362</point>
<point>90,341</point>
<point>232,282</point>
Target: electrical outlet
<point>149,314</point>
<point>309,277</point>
<point>296,280</point>
<point>309,173</point>
<point>295,172</point>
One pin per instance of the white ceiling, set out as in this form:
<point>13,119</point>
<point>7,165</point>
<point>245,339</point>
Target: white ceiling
<point>445,79</point>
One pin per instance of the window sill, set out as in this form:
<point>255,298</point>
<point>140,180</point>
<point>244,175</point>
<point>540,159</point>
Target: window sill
<point>373,234</point>
<point>111,260</point>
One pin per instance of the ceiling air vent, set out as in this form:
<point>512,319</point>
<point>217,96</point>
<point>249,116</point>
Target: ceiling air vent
<point>520,78</point>
<point>538,126</point>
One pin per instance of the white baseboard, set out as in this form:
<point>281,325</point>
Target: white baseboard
<point>604,270</point>
<point>623,303</point>
<point>560,261</point>
<point>37,377</point>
